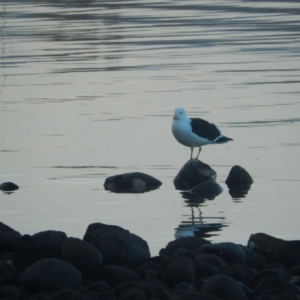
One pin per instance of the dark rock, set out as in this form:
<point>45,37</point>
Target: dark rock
<point>51,275</point>
<point>85,257</point>
<point>268,283</point>
<point>197,296</point>
<point>230,252</point>
<point>133,294</point>
<point>67,294</point>
<point>238,176</point>
<point>192,244</point>
<point>8,238</point>
<point>45,244</point>
<point>206,190</point>
<point>224,287</point>
<point>9,291</point>
<point>193,173</point>
<point>134,182</point>
<point>99,286</point>
<point>238,182</point>
<point>250,255</point>
<point>8,186</point>
<point>238,273</point>
<point>211,259</point>
<point>115,275</point>
<point>276,250</point>
<point>150,269</point>
<point>7,272</point>
<point>117,245</point>
<point>206,270</point>
<point>181,269</point>
<point>185,287</point>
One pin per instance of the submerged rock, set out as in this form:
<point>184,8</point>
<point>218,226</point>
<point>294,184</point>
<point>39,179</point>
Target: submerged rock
<point>194,172</point>
<point>8,186</point>
<point>135,182</point>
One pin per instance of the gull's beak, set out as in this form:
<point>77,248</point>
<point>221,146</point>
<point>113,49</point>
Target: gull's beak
<point>175,117</point>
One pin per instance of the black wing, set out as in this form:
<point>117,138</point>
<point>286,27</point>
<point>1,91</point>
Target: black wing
<point>205,129</point>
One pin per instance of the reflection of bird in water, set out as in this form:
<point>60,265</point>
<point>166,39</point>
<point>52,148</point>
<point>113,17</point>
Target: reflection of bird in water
<point>194,132</point>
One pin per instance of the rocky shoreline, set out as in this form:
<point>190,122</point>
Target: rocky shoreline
<point>112,263</point>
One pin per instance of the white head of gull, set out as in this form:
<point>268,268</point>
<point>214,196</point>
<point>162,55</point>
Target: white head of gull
<point>195,132</point>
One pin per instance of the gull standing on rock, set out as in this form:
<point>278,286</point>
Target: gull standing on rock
<point>195,132</point>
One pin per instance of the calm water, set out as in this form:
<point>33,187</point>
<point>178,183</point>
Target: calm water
<point>88,89</point>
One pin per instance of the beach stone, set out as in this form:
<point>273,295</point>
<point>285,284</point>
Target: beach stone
<point>192,244</point>
<point>238,273</point>
<point>197,296</point>
<point>65,294</point>
<point>82,255</point>
<point>115,275</point>
<point>224,287</point>
<point>194,172</point>
<point>181,269</point>
<point>150,270</point>
<point>117,245</point>
<point>45,244</point>
<point>9,238</point>
<point>288,255</point>
<point>7,272</point>
<point>99,286</point>
<point>9,292</point>
<point>206,270</point>
<point>230,252</point>
<point>205,190</point>
<point>213,260</point>
<point>8,186</point>
<point>51,275</point>
<point>135,182</point>
<point>133,294</point>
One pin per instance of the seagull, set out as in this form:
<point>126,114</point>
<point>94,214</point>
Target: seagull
<point>195,132</point>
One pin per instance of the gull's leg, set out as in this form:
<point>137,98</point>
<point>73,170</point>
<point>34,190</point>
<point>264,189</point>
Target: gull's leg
<point>198,153</point>
<point>192,153</point>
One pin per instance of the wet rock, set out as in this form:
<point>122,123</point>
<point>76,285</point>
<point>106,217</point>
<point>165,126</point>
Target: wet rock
<point>117,245</point>
<point>206,270</point>
<point>238,182</point>
<point>150,269</point>
<point>45,244</point>
<point>239,273</point>
<point>230,252</point>
<point>82,255</point>
<point>224,287</point>
<point>193,173</point>
<point>288,255</point>
<point>51,275</point>
<point>191,244</point>
<point>115,275</point>
<point>213,260</point>
<point>9,238</point>
<point>180,270</point>
<point>8,186</point>
<point>185,287</point>
<point>135,182</point>
<point>206,190</point>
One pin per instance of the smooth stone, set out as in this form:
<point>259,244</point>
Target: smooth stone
<point>191,244</point>
<point>150,270</point>
<point>206,270</point>
<point>238,176</point>
<point>230,252</point>
<point>51,275</point>
<point>117,245</point>
<point>9,238</point>
<point>181,269</point>
<point>44,244</point>
<point>224,287</point>
<point>8,186</point>
<point>67,294</point>
<point>133,294</point>
<point>213,260</point>
<point>9,292</point>
<point>82,255</point>
<point>7,272</point>
<point>194,172</point>
<point>135,182</point>
<point>197,296</point>
<point>115,275</point>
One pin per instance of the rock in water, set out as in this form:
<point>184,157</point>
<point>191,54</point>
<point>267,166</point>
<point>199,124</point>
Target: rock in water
<point>8,186</point>
<point>135,182</point>
<point>193,173</point>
